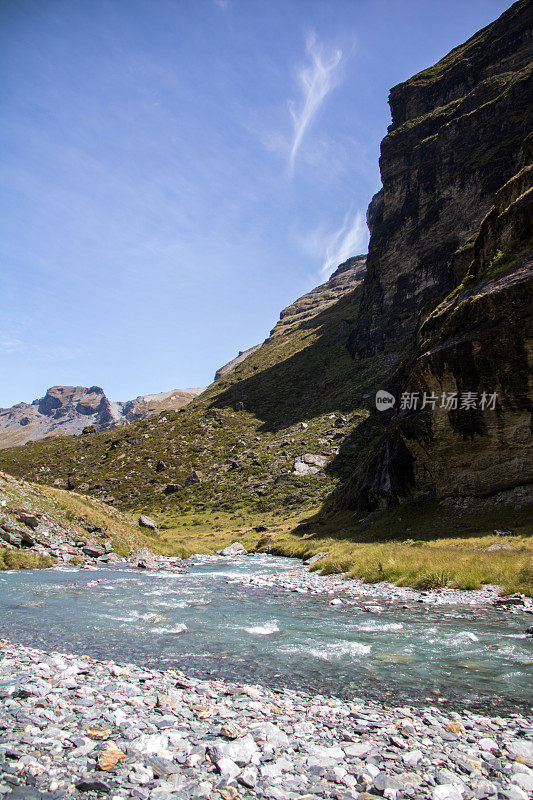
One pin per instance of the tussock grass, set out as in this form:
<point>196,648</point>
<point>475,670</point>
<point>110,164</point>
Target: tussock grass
<point>434,566</point>
<point>124,531</point>
<point>16,559</point>
<point>435,554</point>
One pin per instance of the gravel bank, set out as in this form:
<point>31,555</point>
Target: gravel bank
<point>303,581</point>
<point>74,727</point>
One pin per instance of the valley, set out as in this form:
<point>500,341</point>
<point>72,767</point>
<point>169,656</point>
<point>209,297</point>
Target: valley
<point>276,587</point>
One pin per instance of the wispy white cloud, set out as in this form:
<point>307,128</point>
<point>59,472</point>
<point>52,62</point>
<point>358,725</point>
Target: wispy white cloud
<point>222,4</point>
<point>316,80</point>
<point>11,345</point>
<point>350,239</point>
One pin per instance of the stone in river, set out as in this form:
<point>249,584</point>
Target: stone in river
<point>143,559</point>
<point>235,549</point>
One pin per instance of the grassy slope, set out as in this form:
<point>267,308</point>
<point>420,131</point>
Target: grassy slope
<point>242,435</point>
<point>68,510</point>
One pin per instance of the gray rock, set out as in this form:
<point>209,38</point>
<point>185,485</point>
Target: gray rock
<point>227,768</point>
<point>315,558</point>
<point>521,750</point>
<point>93,550</point>
<point>147,522</point>
<point>241,751</point>
<point>524,780</point>
<point>248,777</point>
<point>447,791</point>
<point>143,559</point>
<point>309,464</point>
<point>235,549</point>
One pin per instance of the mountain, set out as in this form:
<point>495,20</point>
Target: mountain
<point>236,445</point>
<point>448,287</point>
<point>67,410</point>
<point>443,307</point>
<point>347,277</point>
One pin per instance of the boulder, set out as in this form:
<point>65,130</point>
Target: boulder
<point>147,522</point>
<point>315,558</point>
<point>110,558</point>
<point>235,549</point>
<point>31,520</point>
<point>194,477</point>
<point>143,559</point>
<point>309,464</point>
<point>28,540</point>
<point>11,538</point>
<point>93,550</point>
<point>171,488</point>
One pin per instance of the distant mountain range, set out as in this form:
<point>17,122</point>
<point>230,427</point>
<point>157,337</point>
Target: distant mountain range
<point>67,410</point>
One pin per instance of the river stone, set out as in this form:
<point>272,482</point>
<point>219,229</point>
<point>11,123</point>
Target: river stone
<point>241,751</point>
<point>521,751</point>
<point>447,791</point>
<point>143,559</point>
<point>524,780</point>
<point>412,757</point>
<point>153,744</point>
<point>248,777</point>
<point>227,768</point>
<point>235,549</point>
<point>92,784</point>
<point>268,732</point>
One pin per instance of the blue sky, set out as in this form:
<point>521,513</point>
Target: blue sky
<point>175,172</point>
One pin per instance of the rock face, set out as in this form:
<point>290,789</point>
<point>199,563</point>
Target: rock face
<point>67,410</point>
<point>450,270</point>
<point>228,368</point>
<point>456,137</point>
<point>347,277</point>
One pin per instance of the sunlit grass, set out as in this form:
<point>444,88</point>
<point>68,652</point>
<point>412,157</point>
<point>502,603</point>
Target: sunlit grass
<point>16,559</point>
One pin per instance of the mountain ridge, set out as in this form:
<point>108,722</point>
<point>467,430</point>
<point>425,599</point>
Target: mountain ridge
<point>67,410</point>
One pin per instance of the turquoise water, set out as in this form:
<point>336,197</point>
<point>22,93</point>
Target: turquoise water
<point>207,627</point>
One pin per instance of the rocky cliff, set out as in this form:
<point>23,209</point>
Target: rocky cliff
<point>456,137</point>
<point>450,273</point>
<point>67,410</point>
<point>347,277</point>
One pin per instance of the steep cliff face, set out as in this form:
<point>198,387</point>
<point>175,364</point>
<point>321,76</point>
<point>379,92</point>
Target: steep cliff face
<point>456,137</point>
<point>459,285</point>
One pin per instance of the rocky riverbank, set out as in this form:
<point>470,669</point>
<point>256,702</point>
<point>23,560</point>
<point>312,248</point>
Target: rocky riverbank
<point>369,596</point>
<point>74,727</point>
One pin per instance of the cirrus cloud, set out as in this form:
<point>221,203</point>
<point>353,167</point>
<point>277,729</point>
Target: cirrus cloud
<point>316,80</point>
